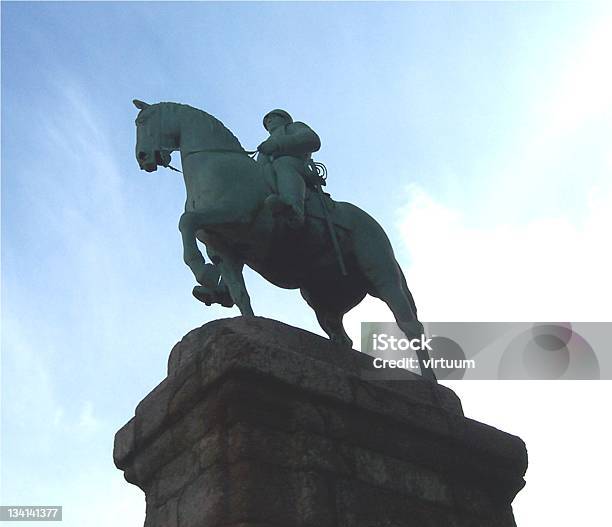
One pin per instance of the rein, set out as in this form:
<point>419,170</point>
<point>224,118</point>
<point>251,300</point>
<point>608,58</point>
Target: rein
<point>250,153</point>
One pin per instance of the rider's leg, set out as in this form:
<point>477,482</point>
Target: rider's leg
<point>330,316</point>
<point>291,186</point>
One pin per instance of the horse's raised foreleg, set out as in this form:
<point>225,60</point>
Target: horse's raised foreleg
<point>205,274</point>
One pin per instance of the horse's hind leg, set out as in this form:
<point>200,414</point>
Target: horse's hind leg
<point>331,323</point>
<point>330,317</point>
<point>401,304</point>
<point>376,261</point>
<point>392,290</point>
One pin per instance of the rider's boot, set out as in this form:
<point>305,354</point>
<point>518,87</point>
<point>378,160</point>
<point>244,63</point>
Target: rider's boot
<point>295,218</point>
<point>276,204</point>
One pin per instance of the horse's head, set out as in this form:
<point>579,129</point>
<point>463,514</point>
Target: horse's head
<point>150,151</point>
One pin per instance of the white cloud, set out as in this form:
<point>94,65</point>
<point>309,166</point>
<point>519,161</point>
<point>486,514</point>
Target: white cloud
<point>545,269</point>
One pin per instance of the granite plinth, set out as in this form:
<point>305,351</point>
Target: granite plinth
<point>262,424</point>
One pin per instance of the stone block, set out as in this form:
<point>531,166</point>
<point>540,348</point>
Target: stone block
<point>255,492</point>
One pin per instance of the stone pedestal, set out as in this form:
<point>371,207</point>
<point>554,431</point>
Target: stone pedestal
<point>260,424</point>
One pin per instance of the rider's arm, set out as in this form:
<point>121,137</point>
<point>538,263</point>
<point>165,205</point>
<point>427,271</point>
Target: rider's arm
<point>299,139</point>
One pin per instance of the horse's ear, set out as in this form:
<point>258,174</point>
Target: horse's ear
<point>140,104</point>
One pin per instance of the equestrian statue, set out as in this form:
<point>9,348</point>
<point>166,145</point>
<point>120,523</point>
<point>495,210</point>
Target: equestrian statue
<point>272,215</point>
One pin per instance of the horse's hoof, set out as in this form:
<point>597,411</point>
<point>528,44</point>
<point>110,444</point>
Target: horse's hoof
<point>213,296</point>
<point>413,329</point>
<point>342,342</point>
<point>224,298</point>
<point>429,375</point>
<point>204,294</point>
<point>209,276</point>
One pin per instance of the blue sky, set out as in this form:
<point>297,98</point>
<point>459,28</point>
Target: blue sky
<point>478,134</point>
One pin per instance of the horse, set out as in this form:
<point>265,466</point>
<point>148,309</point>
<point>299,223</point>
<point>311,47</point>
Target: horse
<point>226,210</point>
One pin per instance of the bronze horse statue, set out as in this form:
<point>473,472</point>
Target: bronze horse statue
<point>226,210</point>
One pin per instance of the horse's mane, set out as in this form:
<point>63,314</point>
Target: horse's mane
<point>231,140</point>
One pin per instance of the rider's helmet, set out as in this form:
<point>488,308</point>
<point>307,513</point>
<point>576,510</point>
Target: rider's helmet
<point>285,115</point>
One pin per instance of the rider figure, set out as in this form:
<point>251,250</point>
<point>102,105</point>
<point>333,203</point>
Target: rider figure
<point>288,148</point>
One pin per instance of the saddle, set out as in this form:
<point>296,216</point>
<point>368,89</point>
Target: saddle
<point>313,208</point>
